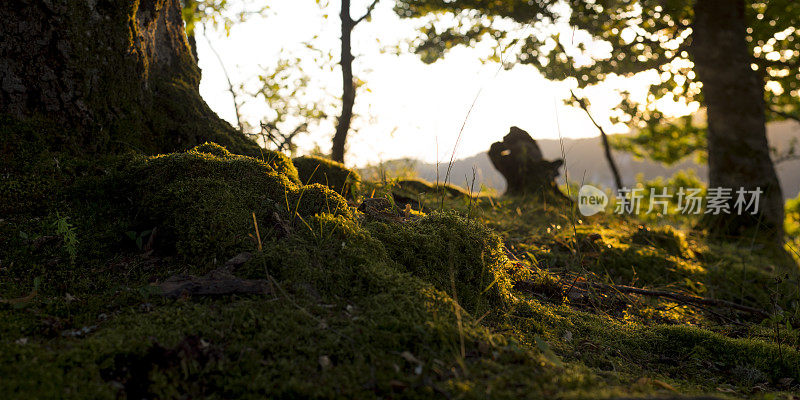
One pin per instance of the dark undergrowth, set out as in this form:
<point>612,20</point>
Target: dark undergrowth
<point>458,297</point>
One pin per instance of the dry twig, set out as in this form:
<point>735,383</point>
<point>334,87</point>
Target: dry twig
<point>679,297</point>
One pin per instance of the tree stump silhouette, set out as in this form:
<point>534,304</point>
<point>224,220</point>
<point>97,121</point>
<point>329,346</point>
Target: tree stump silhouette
<point>519,159</point>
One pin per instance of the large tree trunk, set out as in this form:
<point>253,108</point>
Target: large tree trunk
<point>189,11</point>
<point>112,74</point>
<point>348,86</point>
<point>738,153</point>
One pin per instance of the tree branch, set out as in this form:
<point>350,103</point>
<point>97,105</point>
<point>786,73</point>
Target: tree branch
<point>786,158</point>
<point>368,13</point>
<point>604,137</point>
<point>784,114</point>
<point>230,84</point>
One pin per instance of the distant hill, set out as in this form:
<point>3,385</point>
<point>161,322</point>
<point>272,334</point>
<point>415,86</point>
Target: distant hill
<point>586,163</point>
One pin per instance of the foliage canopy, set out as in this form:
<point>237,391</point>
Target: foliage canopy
<point>588,41</point>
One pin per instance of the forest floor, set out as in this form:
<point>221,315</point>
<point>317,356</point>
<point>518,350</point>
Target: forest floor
<point>209,275</point>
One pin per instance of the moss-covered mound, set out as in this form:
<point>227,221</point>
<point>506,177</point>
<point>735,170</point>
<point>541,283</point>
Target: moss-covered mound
<point>419,186</point>
<point>277,160</point>
<point>213,149</point>
<point>420,194</point>
<point>408,306</point>
<point>313,169</point>
<point>342,312</point>
<point>459,256</point>
<point>666,238</point>
<point>203,205</point>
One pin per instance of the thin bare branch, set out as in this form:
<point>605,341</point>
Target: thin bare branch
<point>368,13</point>
<point>786,158</point>
<point>230,84</point>
<point>784,114</point>
<point>604,137</point>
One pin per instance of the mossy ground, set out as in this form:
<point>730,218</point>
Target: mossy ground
<point>314,169</point>
<point>412,306</point>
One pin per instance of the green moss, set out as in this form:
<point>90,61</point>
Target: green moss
<point>452,252</point>
<point>253,348</point>
<point>367,308</point>
<point>213,149</point>
<point>687,357</point>
<point>313,169</point>
<point>421,187</point>
<point>202,205</point>
<point>344,316</point>
<point>277,160</point>
<point>665,238</point>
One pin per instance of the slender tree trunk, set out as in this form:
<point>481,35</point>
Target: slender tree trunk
<point>606,146</point>
<point>738,153</point>
<point>611,164</point>
<point>348,86</point>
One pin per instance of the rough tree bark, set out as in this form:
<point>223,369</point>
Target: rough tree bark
<point>189,10</point>
<point>112,74</point>
<point>738,152</point>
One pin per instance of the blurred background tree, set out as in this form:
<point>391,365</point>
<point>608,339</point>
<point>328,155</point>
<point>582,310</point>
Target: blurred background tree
<point>295,102</point>
<point>736,60</point>
<point>284,88</point>
<point>294,105</point>
<point>349,82</point>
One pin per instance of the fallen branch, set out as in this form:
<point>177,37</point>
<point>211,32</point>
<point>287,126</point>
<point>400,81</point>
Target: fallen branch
<point>215,283</point>
<point>24,299</point>
<point>683,298</point>
<point>211,285</point>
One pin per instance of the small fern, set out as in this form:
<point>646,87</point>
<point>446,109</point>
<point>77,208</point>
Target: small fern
<point>68,235</point>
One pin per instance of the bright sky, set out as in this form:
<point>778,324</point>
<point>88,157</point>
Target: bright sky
<point>412,107</point>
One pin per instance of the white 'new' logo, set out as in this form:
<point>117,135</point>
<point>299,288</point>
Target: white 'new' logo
<point>591,200</point>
